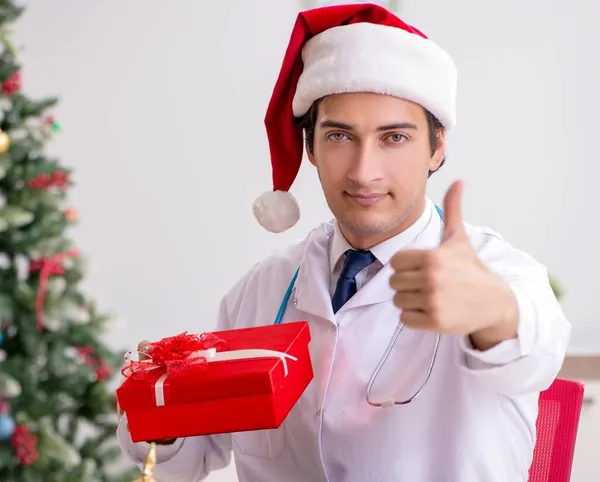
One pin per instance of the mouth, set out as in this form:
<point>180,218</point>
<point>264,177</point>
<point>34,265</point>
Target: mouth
<point>366,199</point>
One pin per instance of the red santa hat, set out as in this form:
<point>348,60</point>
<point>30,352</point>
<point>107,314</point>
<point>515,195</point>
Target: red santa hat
<point>339,49</point>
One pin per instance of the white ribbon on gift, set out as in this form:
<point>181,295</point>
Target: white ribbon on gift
<point>212,355</point>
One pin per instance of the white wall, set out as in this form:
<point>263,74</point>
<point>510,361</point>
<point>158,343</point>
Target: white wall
<point>162,109</point>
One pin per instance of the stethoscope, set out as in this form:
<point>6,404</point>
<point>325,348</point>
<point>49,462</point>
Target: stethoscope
<point>386,403</point>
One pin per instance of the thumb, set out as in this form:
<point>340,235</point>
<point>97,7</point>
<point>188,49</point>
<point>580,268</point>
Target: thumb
<point>453,222</point>
<point>144,348</point>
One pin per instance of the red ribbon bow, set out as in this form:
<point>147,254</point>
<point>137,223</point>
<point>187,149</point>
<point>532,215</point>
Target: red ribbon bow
<point>174,356</point>
<point>47,267</point>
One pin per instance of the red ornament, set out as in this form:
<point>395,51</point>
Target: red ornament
<point>12,85</point>
<point>25,444</point>
<point>47,267</point>
<point>45,181</point>
<point>85,352</point>
<point>101,368</point>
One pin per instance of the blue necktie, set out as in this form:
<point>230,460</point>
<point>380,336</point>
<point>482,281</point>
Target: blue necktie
<point>355,262</point>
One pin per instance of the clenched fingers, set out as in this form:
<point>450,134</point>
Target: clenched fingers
<point>413,259</point>
<point>417,320</point>
<point>413,280</point>
<point>413,300</point>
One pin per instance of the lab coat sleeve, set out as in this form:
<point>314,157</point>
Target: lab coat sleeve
<point>189,459</point>
<point>531,362</point>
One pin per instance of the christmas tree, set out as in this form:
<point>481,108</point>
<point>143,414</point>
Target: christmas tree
<point>57,410</point>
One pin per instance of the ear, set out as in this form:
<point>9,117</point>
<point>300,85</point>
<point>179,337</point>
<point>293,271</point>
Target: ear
<point>440,151</point>
<point>309,154</point>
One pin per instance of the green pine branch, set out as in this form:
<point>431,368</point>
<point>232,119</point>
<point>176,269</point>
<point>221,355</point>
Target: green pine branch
<point>557,288</point>
<point>58,392</point>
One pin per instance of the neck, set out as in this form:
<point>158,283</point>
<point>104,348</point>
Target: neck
<point>360,242</point>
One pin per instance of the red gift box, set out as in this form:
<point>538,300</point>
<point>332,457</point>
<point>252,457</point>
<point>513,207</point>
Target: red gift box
<point>202,393</point>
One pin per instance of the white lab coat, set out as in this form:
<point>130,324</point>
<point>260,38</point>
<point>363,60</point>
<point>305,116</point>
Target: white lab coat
<point>473,422</point>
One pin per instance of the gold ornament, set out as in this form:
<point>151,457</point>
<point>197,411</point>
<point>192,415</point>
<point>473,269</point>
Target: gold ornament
<point>4,142</point>
<point>149,465</point>
<point>71,215</point>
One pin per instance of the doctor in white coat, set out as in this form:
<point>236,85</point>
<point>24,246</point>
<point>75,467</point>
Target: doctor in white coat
<point>371,99</point>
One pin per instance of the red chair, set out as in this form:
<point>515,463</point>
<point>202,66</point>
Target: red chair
<point>557,422</point>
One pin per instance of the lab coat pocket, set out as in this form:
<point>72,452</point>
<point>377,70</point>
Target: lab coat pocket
<point>266,444</point>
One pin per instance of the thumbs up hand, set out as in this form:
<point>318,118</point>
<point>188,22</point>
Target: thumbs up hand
<point>449,290</point>
<point>454,228</point>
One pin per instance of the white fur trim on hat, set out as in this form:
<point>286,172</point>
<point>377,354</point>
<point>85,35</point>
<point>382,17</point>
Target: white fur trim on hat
<point>276,211</point>
<point>366,57</point>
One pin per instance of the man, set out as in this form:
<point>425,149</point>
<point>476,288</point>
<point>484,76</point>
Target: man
<point>375,98</point>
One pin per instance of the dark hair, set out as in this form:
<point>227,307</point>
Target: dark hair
<point>309,120</point>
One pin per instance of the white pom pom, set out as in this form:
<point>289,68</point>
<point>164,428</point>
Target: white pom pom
<point>276,211</point>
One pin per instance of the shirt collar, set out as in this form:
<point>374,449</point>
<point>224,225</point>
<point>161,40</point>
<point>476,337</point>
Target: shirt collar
<point>385,250</point>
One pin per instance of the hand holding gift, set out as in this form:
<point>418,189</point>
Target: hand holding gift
<point>143,350</point>
<point>220,382</point>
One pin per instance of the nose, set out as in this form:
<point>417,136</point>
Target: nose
<point>366,165</point>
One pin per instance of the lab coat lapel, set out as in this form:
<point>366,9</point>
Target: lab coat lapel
<point>312,292</point>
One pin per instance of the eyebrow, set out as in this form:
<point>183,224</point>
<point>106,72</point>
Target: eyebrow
<point>387,127</point>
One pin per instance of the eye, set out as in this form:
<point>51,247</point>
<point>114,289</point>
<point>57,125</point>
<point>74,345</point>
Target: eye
<point>337,136</point>
<point>396,138</point>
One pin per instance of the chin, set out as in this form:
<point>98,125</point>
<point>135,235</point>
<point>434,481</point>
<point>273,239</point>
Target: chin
<point>368,225</point>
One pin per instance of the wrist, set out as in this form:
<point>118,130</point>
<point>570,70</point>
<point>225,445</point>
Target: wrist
<point>503,327</point>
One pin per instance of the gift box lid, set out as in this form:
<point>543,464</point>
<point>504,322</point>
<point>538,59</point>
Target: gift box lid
<point>226,378</point>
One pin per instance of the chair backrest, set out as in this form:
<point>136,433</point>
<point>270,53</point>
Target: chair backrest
<point>557,423</point>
